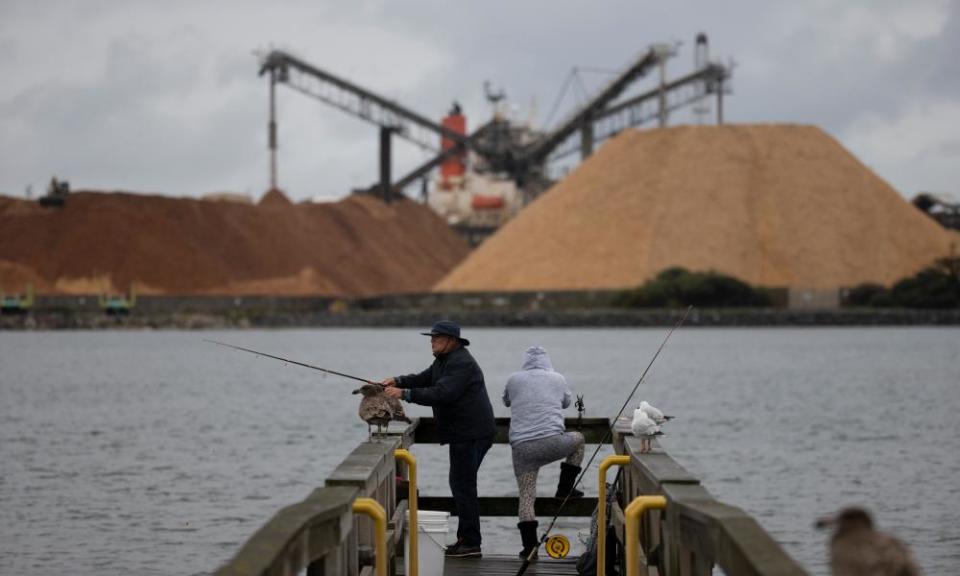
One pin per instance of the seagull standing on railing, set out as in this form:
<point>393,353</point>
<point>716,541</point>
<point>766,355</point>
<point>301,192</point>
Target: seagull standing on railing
<point>378,408</point>
<point>654,413</point>
<point>645,428</point>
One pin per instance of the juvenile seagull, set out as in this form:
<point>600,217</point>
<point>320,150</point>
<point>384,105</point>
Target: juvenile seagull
<point>378,408</point>
<point>654,413</point>
<point>856,549</point>
<point>645,428</point>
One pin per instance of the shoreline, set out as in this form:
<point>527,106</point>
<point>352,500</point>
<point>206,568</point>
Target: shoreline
<point>243,318</point>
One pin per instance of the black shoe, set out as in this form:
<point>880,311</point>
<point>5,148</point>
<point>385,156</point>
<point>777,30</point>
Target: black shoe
<point>461,550</point>
<point>528,534</point>
<point>568,476</point>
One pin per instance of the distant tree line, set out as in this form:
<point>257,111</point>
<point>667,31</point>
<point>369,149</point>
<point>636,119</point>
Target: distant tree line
<point>677,287</point>
<point>935,287</point>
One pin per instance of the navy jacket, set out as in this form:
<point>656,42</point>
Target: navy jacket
<point>453,385</point>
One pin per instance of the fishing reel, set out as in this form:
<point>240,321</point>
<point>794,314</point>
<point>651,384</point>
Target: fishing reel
<point>557,546</point>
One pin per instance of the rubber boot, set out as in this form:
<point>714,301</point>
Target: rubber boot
<point>528,534</point>
<point>568,475</point>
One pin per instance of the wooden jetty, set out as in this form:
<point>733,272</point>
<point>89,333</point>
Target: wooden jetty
<point>662,521</point>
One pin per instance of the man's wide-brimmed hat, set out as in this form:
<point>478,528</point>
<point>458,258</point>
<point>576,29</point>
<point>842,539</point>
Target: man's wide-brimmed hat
<point>446,328</point>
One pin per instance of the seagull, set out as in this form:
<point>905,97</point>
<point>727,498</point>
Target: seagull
<point>653,412</point>
<point>856,549</point>
<point>644,427</point>
<point>378,408</point>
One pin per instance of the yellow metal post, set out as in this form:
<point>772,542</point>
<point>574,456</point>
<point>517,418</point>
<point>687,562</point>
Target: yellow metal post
<point>414,527</point>
<point>375,511</point>
<point>632,520</point>
<point>602,510</point>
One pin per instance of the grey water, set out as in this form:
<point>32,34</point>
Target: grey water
<point>157,453</point>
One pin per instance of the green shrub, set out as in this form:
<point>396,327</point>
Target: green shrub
<point>867,294</point>
<point>678,287</point>
<point>937,286</point>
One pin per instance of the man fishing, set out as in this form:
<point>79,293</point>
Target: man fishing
<point>454,387</point>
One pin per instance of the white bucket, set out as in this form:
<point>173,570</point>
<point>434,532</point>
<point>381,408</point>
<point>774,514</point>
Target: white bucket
<point>431,542</point>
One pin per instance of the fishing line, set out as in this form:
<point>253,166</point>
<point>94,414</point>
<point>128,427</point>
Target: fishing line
<point>326,370</point>
<point>583,472</point>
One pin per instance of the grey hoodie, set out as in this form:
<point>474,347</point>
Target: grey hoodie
<point>536,396</point>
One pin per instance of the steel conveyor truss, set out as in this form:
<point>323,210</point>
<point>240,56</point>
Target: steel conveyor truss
<point>646,106</point>
<point>355,100</point>
<point>541,150</point>
<point>595,121</point>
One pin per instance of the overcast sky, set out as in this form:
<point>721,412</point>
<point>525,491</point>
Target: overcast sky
<point>164,97</point>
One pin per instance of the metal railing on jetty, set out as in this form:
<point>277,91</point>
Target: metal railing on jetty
<point>688,535</point>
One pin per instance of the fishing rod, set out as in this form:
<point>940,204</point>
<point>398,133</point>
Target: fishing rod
<point>529,558</point>
<point>326,370</point>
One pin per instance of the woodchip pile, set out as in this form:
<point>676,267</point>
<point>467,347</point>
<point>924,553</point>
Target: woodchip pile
<point>774,205</point>
<point>109,242</point>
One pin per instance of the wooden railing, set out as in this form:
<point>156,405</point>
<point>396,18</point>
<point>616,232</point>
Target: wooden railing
<point>593,430</point>
<point>314,532</point>
<point>321,533</point>
<point>694,532</point>
<point>689,537</point>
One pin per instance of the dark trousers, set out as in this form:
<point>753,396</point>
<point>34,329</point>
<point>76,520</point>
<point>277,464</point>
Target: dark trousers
<point>465,459</point>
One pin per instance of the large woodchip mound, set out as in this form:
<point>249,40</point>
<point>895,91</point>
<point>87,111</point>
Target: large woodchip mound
<point>110,242</point>
<point>774,205</point>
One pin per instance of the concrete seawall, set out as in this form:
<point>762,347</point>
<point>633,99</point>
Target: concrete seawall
<point>520,309</point>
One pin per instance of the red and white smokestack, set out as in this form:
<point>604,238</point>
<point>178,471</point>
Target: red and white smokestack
<point>453,168</point>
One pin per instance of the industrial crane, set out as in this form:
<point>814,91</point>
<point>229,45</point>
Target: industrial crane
<point>500,148</point>
<point>391,117</point>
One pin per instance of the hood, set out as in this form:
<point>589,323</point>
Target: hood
<point>536,358</point>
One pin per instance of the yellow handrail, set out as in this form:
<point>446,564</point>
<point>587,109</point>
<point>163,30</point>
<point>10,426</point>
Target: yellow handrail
<point>414,527</point>
<point>375,511</point>
<point>602,510</point>
<point>632,520</point>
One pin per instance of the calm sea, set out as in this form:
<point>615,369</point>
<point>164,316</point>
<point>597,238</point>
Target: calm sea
<point>157,453</point>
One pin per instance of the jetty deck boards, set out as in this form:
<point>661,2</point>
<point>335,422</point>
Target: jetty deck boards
<point>491,565</point>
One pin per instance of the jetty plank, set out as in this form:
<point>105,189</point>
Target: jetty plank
<point>656,468</point>
<point>594,430</point>
<point>506,566</point>
<point>367,466</point>
<point>505,506</point>
<point>406,435</point>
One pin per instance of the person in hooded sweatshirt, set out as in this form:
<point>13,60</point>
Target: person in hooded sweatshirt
<point>537,396</point>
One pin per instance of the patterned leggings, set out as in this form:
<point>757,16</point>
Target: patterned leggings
<point>529,456</point>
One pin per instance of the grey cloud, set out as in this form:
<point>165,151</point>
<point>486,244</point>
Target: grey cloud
<point>940,58</point>
<point>179,107</point>
<point>950,148</point>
